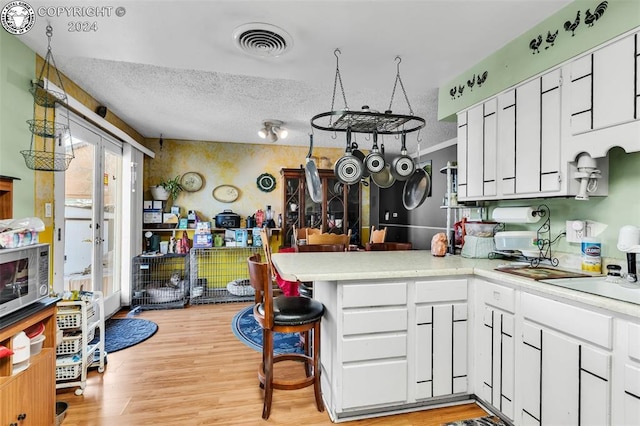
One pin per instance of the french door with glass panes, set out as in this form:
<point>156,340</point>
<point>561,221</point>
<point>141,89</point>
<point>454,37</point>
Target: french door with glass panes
<point>87,252</point>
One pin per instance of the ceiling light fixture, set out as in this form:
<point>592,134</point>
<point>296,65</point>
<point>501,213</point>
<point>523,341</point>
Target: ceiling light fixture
<point>272,130</point>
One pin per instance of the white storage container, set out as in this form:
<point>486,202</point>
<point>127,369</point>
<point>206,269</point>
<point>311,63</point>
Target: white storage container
<point>516,240</point>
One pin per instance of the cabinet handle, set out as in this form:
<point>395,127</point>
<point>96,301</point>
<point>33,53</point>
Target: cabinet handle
<point>22,416</point>
<point>496,295</point>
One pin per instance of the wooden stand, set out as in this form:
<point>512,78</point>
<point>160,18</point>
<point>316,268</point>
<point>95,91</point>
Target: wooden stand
<point>29,395</point>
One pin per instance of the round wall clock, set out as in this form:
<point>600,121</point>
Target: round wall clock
<point>226,193</point>
<point>266,182</point>
<point>191,182</point>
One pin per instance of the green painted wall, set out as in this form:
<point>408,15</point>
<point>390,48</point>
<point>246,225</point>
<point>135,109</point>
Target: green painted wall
<point>17,69</point>
<point>515,62</point>
<point>620,207</point>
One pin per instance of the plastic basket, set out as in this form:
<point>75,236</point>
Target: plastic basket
<point>69,345</point>
<point>69,319</point>
<point>68,371</point>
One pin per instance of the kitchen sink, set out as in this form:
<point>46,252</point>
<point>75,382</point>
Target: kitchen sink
<point>613,288</point>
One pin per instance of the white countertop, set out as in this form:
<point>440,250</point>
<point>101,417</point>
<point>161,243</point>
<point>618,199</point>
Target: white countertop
<point>358,265</point>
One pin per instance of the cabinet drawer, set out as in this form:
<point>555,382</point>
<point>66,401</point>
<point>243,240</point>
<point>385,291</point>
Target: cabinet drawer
<point>363,348</point>
<point>581,323</point>
<point>378,294</point>
<point>374,383</point>
<point>374,321</point>
<point>441,291</point>
<point>499,297</point>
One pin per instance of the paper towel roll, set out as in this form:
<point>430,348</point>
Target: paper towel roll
<point>515,215</point>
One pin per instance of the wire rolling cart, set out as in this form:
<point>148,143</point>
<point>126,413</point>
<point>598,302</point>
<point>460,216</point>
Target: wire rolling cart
<point>220,274</point>
<point>79,321</point>
<point>160,281</point>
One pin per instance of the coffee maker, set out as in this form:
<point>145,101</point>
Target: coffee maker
<point>629,242</point>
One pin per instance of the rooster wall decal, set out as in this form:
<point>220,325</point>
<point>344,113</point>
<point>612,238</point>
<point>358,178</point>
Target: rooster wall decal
<point>551,38</point>
<point>471,82</point>
<point>452,92</point>
<point>571,26</point>
<point>590,19</point>
<point>482,78</point>
<point>460,90</point>
<point>535,44</point>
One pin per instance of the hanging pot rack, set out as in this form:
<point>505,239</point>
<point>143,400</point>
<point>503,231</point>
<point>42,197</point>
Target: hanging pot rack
<point>44,124</point>
<point>367,121</point>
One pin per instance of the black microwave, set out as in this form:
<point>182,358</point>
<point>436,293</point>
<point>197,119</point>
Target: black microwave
<point>24,276</point>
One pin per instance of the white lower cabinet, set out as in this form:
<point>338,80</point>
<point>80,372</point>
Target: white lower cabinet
<point>441,338</point>
<point>495,347</point>
<point>626,389</point>
<point>564,371</point>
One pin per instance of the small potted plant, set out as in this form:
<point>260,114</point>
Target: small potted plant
<point>167,188</point>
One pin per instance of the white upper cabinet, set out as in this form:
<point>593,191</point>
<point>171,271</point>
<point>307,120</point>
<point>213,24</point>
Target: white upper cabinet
<point>603,99</point>
<point>477,150</point>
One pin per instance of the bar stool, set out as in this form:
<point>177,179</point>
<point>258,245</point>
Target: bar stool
<point>284,315</point>
<point>388,246</point>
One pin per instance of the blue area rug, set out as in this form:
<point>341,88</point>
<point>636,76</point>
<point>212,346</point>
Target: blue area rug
<point>123,333</point>
<point>249,332</point>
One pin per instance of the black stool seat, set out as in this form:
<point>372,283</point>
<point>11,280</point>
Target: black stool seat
<point>294,310</point>
<point>305,289</point>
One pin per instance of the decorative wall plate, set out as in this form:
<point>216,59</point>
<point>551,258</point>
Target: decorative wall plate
<point>226,193</point>
<point>266,182</point>
<point>191,182</point>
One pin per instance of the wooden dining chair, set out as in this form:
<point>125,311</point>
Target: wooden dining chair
<point>329,239</point>
<point>303,233</point>
<point>285,315</point>
<point>378,235</point>
<point>388,246</point>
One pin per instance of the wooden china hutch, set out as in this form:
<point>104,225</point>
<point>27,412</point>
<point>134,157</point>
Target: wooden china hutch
<point>339,211</point>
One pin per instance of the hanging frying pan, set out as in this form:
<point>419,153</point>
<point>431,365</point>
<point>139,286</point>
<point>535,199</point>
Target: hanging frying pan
<point>374,161</point>
<point>314,185</point>
<point>360,156</point>
<point>348,169</point>
<point>384,178</point>
<point>402,167</point>
<point>417,187</point>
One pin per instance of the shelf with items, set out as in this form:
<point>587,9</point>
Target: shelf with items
<point>338,212</point>
<point>80,321</point>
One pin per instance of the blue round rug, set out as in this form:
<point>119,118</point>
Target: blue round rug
<point>248,331</point>
<point>123,333</point>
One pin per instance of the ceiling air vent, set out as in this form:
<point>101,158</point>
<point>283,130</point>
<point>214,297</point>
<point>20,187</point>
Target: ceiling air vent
<point>264,40</point>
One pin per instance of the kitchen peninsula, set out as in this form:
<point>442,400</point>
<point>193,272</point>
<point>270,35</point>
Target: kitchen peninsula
<point>408,331</point>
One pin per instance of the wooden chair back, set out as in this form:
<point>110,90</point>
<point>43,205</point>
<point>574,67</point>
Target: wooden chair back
<point>329,239</point>
<point>320,248</point>
<point>378,236</point>
<point>260,279</point>
<point>303,233</point>
<point>388,246</point>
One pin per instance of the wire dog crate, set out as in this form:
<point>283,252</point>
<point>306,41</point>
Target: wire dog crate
<point>220,275</point>
<point>160,282</point>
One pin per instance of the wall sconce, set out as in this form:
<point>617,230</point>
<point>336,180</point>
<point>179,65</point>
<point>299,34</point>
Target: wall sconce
<point>272,130</point>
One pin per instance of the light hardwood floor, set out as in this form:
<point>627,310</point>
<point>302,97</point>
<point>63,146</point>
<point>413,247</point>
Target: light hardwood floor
<point>194,371</point>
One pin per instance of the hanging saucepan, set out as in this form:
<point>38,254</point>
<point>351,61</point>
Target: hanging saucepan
<point>417,187</point>
<point>374,161</point>
<point>360,156</point>
<point>348,169</point>
<point>402,167</point>
<point>314,184</point>
<point>384,178</point>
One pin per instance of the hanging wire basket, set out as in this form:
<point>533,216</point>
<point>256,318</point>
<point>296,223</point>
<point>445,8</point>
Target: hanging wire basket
<point>47,161</point>
<point>47,128</point>
<point>43,96</point>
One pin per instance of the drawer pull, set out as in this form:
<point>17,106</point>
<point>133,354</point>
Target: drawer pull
<point>496,295</point>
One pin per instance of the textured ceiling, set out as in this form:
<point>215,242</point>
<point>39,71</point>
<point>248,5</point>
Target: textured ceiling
<point>172,67</point>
